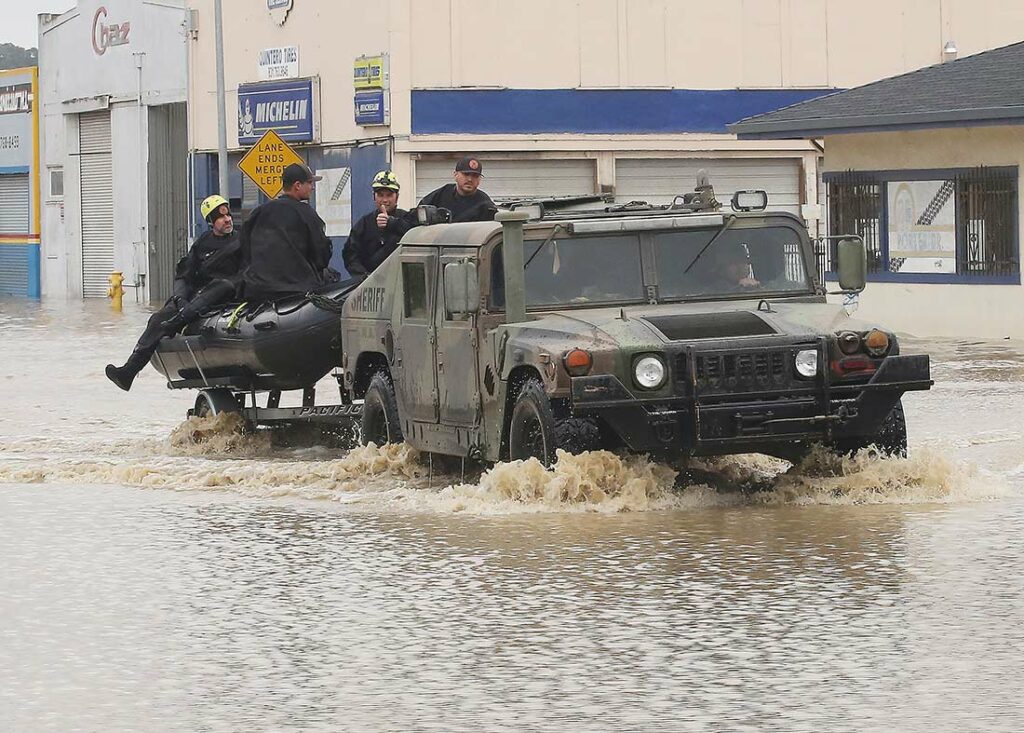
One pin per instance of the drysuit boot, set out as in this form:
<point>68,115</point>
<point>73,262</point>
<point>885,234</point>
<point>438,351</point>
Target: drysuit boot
<point>123,376</point>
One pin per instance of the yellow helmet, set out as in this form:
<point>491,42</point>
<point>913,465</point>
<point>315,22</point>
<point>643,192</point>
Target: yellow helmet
<point>385,179</point>
<point>211,204</point>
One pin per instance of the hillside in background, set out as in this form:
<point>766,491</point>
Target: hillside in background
<point>13,57</point>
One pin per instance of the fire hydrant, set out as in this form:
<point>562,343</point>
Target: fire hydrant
<point>116,290</point>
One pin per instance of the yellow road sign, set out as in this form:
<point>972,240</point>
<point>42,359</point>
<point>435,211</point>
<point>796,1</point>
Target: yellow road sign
<point>265,161</point>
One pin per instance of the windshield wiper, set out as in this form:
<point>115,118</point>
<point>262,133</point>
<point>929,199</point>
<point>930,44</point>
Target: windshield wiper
<point>544,244</point>
<point>729,222</point>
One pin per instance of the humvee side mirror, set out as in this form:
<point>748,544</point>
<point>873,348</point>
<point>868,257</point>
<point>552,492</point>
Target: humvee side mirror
<point>852,265</point>
<point>461,288</point>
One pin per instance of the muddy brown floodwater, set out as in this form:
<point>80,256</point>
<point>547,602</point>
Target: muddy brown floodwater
<point>152,582</point>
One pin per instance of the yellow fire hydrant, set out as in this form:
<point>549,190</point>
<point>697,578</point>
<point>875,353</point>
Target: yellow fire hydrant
<point>116,290</point>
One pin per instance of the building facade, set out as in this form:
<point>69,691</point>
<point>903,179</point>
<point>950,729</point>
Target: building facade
<point>19,183</point>
<point>625,98</point>
<point>925,167</point>
<point>114,146</point>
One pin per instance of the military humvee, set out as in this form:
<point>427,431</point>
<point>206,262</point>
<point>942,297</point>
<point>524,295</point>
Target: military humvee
<point>676,330</point>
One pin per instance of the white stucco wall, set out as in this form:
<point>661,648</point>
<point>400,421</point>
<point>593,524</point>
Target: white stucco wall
<point>75,78</point>
<point>565,44</point>
<point>965,311</point>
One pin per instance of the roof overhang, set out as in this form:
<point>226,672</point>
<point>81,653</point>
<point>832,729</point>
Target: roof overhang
<point>811,127</point>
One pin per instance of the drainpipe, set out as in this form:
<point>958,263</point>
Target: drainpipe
<point>140,276</point>
<point>512,255</point>
<point>222,126</point>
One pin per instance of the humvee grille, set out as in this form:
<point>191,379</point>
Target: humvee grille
<point>756,370</point>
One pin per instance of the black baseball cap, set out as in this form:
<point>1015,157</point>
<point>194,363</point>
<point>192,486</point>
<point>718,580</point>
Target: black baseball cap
<point>295,173</point>
<point>469,164</point>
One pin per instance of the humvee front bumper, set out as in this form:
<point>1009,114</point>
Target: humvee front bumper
<point>726,403</point>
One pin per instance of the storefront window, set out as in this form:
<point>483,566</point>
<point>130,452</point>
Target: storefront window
<point>929,226</point>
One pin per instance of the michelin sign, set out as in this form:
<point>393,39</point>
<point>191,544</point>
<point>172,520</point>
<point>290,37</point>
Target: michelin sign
<point>283,106</point>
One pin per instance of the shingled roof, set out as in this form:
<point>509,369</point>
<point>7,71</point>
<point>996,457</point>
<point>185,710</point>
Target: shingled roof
<point>984,89</point>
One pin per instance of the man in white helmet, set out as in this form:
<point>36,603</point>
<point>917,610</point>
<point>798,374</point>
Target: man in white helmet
<point>206,276</point>
<point>376,235</point>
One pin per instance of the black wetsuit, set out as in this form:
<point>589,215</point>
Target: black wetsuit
<point>284,250</point>
<point>368,245</point>
<point>477,207</point>
<point>206,276</point>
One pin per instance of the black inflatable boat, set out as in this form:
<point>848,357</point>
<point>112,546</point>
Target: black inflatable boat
<point>280,345</point>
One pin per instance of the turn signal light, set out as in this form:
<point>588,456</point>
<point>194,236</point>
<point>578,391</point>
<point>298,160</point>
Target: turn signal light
<point>853,365</point>
<point>578,362</point>
<point>876,342</point>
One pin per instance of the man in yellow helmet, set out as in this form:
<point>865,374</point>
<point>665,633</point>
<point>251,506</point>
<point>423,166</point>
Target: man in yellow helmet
<point>376,235</point>
<point>206,276</point>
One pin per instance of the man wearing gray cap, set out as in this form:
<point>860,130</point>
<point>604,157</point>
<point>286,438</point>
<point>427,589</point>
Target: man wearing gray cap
<point>464,198</point>
<point>284,248</point>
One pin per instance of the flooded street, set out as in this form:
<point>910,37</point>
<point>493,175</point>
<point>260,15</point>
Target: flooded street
<point>152,583</point>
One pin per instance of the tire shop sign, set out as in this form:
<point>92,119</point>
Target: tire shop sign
<point>105,35</point>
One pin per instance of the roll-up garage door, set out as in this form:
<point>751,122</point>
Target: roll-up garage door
<point>506,178</point>
<point>14,219</point>
<point>658,180</point>
<point>97,182</point>
<point>14,204</point>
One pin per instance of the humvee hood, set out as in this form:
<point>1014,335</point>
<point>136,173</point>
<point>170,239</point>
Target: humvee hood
<point>696,321</point>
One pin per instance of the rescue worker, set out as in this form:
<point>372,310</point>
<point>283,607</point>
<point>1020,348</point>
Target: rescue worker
<point>284,248</point>
<point>376,235</point>
<point>464,198</point>
<point>206,276</point>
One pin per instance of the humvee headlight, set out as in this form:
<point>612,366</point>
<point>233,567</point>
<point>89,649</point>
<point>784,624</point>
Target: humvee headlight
<point>649,372</point>
<point>876,342</point>
<point>806,362</point>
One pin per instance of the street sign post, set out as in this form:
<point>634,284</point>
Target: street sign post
<point>266,160</point>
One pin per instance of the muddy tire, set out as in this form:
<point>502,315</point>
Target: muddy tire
<point>890,440</point>
<point>380,423</point>
<point>535,432</point>
<point>210,402</point>
<point>531,430</point>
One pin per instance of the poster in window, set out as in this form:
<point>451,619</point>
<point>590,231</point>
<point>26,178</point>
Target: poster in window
<point>922,226</point>
<point>334,200</point>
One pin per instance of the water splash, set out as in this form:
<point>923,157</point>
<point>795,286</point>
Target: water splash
<point>217,453</point>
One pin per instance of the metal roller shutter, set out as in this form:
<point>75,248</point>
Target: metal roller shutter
<point>503,178</point>
<point>658,180</point>
<point>14,204</point>
<point>97,181</point>
<point>14,219</point>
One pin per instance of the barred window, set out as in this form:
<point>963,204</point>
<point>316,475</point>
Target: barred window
<point>928,225</point>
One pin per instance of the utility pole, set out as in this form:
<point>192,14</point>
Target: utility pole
<point>222,123</point>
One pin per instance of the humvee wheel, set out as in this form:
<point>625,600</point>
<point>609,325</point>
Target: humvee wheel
<point>890,440</point>
<point>380,423</point>
<point>210,402</point>
<point>531,432</point>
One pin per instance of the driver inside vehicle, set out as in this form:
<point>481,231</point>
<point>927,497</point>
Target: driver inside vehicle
<point>729,269</point>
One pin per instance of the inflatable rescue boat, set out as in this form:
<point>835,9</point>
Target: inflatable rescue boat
<point>278,345</point>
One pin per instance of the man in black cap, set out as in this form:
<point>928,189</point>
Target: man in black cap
<point>464,198</point>
<point>284,247</point>
<point>377,234</point>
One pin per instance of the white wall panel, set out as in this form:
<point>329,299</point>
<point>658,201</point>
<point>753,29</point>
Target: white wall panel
<point>503,177</point>
<point>659,180</point>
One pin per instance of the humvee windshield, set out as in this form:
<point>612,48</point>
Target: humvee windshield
<point>608,268</point>
<point>738,261</point>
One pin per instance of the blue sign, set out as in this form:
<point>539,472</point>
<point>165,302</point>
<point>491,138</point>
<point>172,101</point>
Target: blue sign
<point>369,106</point>
<point>283,106</point>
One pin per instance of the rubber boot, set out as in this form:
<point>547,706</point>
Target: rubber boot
<point>123,376</point>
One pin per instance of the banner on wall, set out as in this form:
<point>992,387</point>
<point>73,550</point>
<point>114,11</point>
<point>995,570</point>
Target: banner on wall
<point>922,226</point>
<point>334,200</point>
